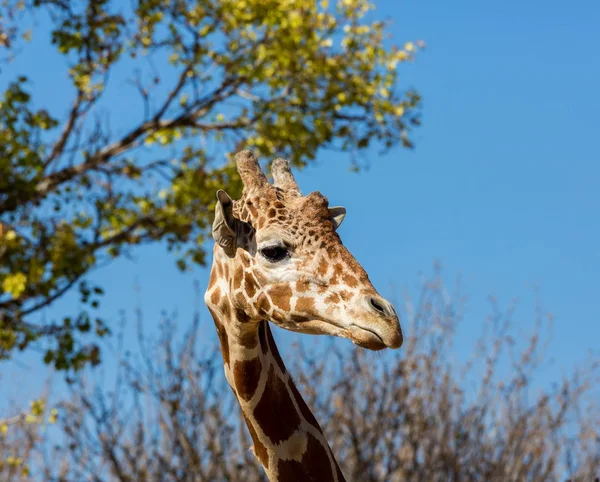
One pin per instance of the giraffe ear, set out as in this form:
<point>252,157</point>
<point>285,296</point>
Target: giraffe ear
<point>337,215</point>
<point>223,228</point>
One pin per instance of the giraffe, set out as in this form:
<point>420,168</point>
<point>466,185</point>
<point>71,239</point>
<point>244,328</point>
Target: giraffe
<point>278,258</point>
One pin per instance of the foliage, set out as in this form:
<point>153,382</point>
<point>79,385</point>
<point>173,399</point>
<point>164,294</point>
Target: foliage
<point>416,415</point>
<point>9,26</point>
<point>19,436</point>
<point>284,77</point>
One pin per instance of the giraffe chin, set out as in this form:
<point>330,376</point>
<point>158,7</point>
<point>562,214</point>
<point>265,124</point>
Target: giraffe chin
<point>365,338</point>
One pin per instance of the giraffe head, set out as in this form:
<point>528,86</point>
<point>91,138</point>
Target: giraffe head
<point>279,258</point>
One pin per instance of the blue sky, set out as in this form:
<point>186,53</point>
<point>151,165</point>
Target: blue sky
<point>502,188</point>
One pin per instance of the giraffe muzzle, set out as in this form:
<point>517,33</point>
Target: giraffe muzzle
<point>382,330</point>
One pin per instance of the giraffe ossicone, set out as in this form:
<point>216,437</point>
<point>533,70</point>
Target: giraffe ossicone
<point>278,258</point>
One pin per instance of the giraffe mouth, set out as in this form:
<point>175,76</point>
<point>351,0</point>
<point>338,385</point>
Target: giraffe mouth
<point>361,336</point>
<point>366,338</point>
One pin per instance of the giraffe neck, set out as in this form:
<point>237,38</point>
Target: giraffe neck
<point>287,438</point>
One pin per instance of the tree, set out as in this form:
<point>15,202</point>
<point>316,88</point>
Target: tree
<point>412,415</point>
<point>283,77</point>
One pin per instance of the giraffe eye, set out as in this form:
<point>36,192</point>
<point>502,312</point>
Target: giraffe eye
<point>274,253</point>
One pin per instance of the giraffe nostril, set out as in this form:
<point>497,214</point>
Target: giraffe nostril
<point>378,305</point>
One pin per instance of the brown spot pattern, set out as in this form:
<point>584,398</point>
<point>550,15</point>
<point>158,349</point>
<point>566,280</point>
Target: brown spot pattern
<point>275,412</point>
<point>249,340</point>
<point>246,374</point>
<point>237,278</point>
<point>281,295</point>
<point>245,259</point>
<point>323,267</point>
<point>240,299</point>
<point>242,316</point>
<point>249,284</point>
<point>263,304</point>
<point>306,412</point>
<point>346,295</point>
<point>253,210</point>
<point>350,280</point>
<point>314,466</point>
<point>338,271</point>
<point>305,305</point>
<point>333,298</point>
<point>226,310</point>
<point>259,449</point>
<point>213,278</point>
<point>215,296</point>
<point>274,350</point>
<point>222,338</point>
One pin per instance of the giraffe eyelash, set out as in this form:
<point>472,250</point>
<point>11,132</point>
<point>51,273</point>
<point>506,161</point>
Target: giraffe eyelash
<point>274,253</point>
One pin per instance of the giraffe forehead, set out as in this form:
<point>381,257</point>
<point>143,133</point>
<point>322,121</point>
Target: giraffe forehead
<point>302,226</point>
<point>274,207</point>
<point>297,233</point>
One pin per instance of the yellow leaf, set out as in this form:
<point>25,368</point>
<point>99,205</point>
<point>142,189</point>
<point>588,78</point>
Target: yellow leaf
<point>14,284</point>
<point>409,46</point>
<point>3,428</point>
<point>30,418</point>
<point>401,55</point>
<point>38,407</point>
<point>53,416</point>
<point>295,19</point>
